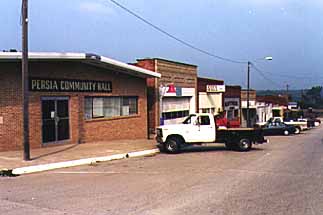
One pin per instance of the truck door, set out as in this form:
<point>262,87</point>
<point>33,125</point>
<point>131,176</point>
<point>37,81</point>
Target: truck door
<point>206,129</point>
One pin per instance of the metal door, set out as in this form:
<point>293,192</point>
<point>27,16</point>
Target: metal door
<point>55,119</point>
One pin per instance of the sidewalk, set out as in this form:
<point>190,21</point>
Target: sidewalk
<point>14,159</point>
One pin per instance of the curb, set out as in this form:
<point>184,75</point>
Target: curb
<point>72,163</point>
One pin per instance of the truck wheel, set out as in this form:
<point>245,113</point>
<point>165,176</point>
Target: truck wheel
<point>172,145</point>
<point>244,145</point>
<point>297,130</point>
<point>286,132</point>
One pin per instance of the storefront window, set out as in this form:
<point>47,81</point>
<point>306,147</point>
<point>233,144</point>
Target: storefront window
<point>175,114</point>
<point>106,107</point>
<point>97,107</point>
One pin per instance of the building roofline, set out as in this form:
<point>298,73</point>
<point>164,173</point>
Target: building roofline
<point>212,79</point>
<point>90,58</point>
<point>246,90</point>
<point>166,60</point>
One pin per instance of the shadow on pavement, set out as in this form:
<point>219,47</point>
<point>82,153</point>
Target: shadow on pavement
<point>192,149</point>
<point>55,152</point>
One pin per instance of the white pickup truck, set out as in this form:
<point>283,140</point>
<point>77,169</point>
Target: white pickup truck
<point>201,128</point>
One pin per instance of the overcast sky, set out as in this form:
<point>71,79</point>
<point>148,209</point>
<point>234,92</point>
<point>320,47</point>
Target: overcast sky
<point>289,30</point>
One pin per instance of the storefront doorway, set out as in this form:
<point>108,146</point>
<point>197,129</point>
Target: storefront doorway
<point>55,119</point>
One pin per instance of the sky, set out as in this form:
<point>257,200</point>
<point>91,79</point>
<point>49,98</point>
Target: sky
<point>291,31</point>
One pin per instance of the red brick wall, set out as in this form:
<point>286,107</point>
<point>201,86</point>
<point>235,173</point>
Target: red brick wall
<point>232,91</point>
<point>81,130</point>
<point>10,107</point>
<point>203,82</point>
<point>152,94</point>
<point>179,74</point>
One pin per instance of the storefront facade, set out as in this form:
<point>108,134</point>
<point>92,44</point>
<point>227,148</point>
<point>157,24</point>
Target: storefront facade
<point>172,97</point>
<point>264,111</point>
<point>232,105</point>
<point>279,104</point>
<point>74,98</point>
<point>210,95</point>
<point>252,107</point>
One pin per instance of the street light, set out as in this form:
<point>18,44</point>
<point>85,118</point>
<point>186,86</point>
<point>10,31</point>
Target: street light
<point>269,58</point>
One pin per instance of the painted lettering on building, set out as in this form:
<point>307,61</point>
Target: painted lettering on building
<point>66,85</point>
<point>215,88</point>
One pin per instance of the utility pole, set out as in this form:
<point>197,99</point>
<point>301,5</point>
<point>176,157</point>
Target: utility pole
<point>248,94</point>
<point>24,75</point>
<point>287,88</point>
<point>287,97</point>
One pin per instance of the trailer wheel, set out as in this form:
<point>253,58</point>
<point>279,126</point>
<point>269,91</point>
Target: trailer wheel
<point>172,145</point>
<point>244,145</point>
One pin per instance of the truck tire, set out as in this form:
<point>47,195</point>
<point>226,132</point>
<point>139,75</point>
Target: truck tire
<point>172,145</point>
<point>244,145</point>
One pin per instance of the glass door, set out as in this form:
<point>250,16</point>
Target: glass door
<point>55,119</point>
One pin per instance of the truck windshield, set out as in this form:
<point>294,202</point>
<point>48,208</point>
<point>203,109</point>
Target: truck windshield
<point>189,119</point>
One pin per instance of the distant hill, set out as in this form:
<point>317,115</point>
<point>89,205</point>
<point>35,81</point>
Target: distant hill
<point>295,94</point>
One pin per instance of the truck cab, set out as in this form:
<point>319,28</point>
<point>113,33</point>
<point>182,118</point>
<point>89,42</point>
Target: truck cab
<point>196,128</point>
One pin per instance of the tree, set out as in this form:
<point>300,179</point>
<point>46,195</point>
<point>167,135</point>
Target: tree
<point>312,98</point>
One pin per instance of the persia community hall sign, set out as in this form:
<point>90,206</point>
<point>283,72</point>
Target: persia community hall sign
<point>67,85</point>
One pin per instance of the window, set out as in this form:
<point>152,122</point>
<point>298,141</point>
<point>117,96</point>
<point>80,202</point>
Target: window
<point>175,114</point>
<point>233,114</point>
<point>205,110</point>
<point>230,114</point>
<point>204,120</point>
<point>190,119</point>
<point>107,107</point>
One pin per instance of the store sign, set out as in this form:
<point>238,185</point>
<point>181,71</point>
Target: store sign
<point>231,103</point>
<point>215,88</point>
<point>67,85</point>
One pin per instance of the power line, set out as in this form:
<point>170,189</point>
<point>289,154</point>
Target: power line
<point>264,76</point>
<point>293,76</point>
<point>174,37</point>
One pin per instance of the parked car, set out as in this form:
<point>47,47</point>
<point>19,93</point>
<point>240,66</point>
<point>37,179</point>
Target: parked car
<point>310,122</point>
<point>279,128</point>
<point>299,125</point>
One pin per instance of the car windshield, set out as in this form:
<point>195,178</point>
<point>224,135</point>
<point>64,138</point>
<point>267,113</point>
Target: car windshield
<point>188,120</point>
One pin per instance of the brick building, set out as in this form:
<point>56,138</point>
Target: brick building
<point>252,107</point>
<point>232,105</point>
<point>210,95</point>
<point>172,97</point>
<point>74,98</point>
<point>279,103</point>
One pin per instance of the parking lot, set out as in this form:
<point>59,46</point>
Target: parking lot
<point>282,177</point>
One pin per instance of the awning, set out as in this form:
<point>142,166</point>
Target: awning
<point>92,59</point>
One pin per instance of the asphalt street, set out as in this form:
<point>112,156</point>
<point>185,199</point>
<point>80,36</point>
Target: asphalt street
<point>282,177</point>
